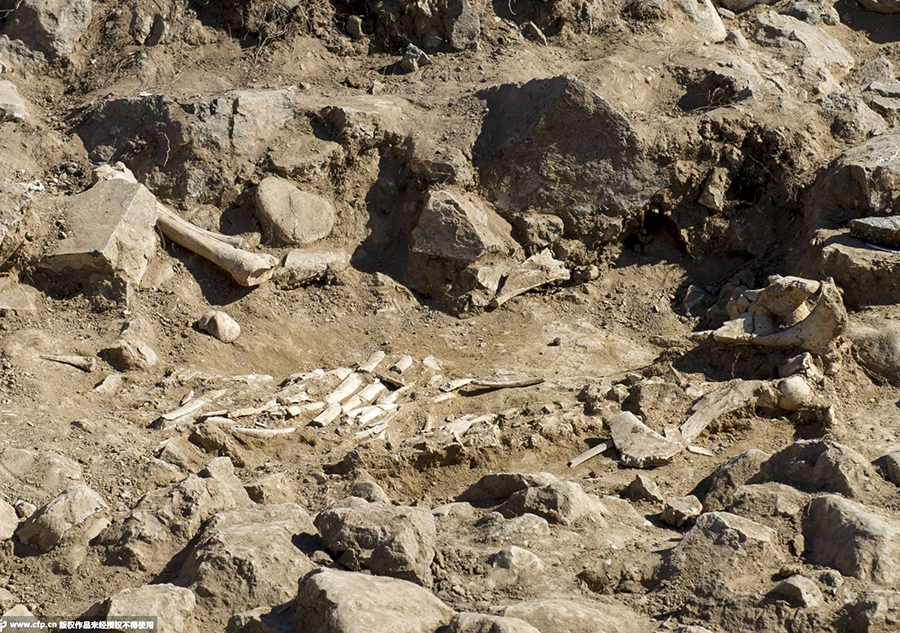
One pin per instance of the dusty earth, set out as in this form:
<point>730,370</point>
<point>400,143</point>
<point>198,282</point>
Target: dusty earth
<point>651,228</point>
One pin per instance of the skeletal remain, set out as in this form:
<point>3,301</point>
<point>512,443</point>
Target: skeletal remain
<point>391,397</point>
<point>263,434</point>
<point>375,430</point>
<point>327,416</point>
<point>538,270</point>
<point>299,409</point>
<point>733,396</point>
<point>699,450</point>
<point>443,397</point>
<point>372,362</point>
<point>246,268</point>
<point>84,363</point>
<point>402,365</point>
<point>453,385</point>
<point>344,390</point>
<point>506,384</point>
<point>639,445</point>
<point>184,410</point>
<point>248,411</point>
<point>602,447</point>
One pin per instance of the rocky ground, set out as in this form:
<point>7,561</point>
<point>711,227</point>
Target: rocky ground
<point>451,315</point>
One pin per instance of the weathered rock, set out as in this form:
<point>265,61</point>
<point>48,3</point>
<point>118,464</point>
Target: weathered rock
<point>528,146</point>
<point>892,466</point>
<point>681,510</point>
<point>790,33</point>
<point>131,354</point>
<point>800,592</point>
<point>849,118</point>
<point>559,502</point>
<point>332,601</point>
<point>880,231</point>
<point>308,265</point>
<point>370,491</point>
<point>638,445</point>
<point>880,6</point>
<point>500,486</point>
<point>38,476</point>
<point>853,539</point>
<point>111,236</point>
<point>219,325</point>
<point>289,216</point>
<point>555,615</point>
<point>874,612</point>
<point>12,106</point>
<point>413,58</point>
<point>44,529</point>
<point>761,502</point>
<point>795,394</point>
<point>9,521</point>
<point>644,489</point>
<point>479,623</point>
<point>50,26</point>
<point>17,298</point>
<point>723,545</point>
<point>172,606</point>
<point>269,489</point>
<point>517,560</point>
<point>820,466</point>
<point>738,6</point>
<point>17,219</point>
<point>245,558</point>
<point>434,24</point>
<point>538,270</point>
<point>164,520</point>
<point>393,541</point>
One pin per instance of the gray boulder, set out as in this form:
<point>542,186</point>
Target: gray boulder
<point>289,216</point>
<point>331,601</point>
<point>853,539</point>
<point>396,541</point>
<point>556,615</point>
<point>50,26</point>
<point>245,558</point>
<point>561,502</point>
<point>821,466</point>
<point>164,520</point>
<point>500,486</point>
<point>434,25</point>
<point>479,623</point>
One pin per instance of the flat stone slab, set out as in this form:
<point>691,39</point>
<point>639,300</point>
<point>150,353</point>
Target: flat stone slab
<point>639,445</point>
<point>879,231</point>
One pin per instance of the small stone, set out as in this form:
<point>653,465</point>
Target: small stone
<point>12,106</point>
<point>643,488</point>
<point>795,393</point>
<point>680,510</point>
<point>892,466</point>
<point>534,33</point>
<point>516,559</point>
<point>127,355</point>
<point>219,325</point>
<point>354,27</point>
<point>370,491</point>
<point>289,216</point>
<point>9,521</point>
<point>413,58</point>
<point>800,592</point>
<point>24,509</point>
<point>274,488</point>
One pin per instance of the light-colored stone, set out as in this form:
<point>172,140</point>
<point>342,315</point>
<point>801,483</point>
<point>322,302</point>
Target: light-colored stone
<point>517,559</point>
<point>800,592</point>
<point>561,502</point>
<point>500,486</point>
<point>643,488</point>
<point>37,476</point>
<point>396,541</point>
<point>892,466</point>
<point>131,354</point>
<point>220,325</point>
<point>555,615</point>
<point>50,26</point>
<point>12,106</point>
<point>308,265</point>
<point>480,623</point>
<point>536,271</point>
<point>640,446</point>
<point>172,606</point>
<point>292,217</point>
<point>111,235</point>
<point>681,510</point>
<point>853,539</point>
<point>44,529</point>
<point>9,521</point>
<point>246,557</point>
<point>332,601</point>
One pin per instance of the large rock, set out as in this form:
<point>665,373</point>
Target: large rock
<point>861,182</point>
<point>724,546</point>
<point>821,466</point>
<point>557,615</point>
<point>878,349</point>
<point>17,219</point>
<point>867,276</point>
<point>434,25</point>
<point>37,476</point>
<point>172,606</point>
<point>555,146</point>
<point>786,32</point>
<point>500,486</point>
<point>332,601</point>
<point>459,250</point>
<point>561,502</point>
<point>289,216</point>
<point>853,539</point>
<point>164,520</point>
<point>12,106</point>
<point>50,26</point>
<point>393,541</point>
<point>479,623</point>
<point>44,529</point>
<point>246,558</point>
<point>111,236</point>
